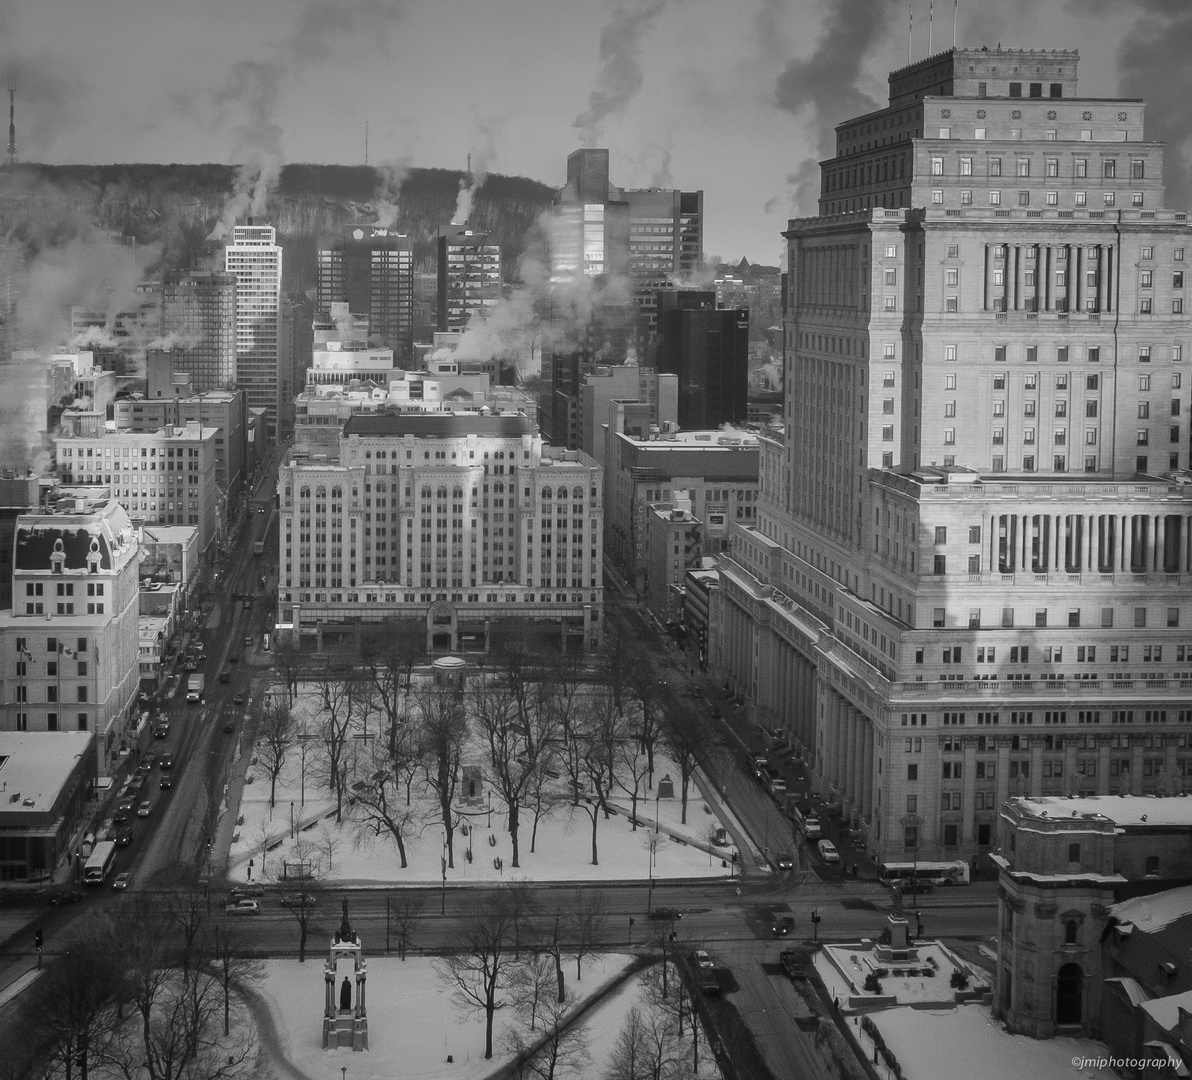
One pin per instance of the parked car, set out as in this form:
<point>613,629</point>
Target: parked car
<point>828,851</point>
<point>145,809</point>
<point>238,892</point>
<point>122,880</point>
<point>134,786</point>
<point>229,726</point>
<point>700,958</point>
<point>248,640</point>
<point>784,861</point>
<point>242,907</point>
<point>666,913</point>
<point>63,896</point>
<point>794,964</point>
<point>783,925</point>
<point>123,811</point>
<point>238,699</point>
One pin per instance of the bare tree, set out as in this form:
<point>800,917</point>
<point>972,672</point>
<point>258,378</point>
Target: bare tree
<point>444,731</point>
<point>588,916</point>
<point>562,1049</point>
<point>642,678</point>
<point>303,906</point>
<point>233,965</point>
<point>688,739</point>
<point>600,738</point>
<point>378,804</point>
<point>406,911</point>
<point>647,1048</point>
<point>337,713</point>
<point>288,663</point>
<point>278,733</point>
<point>481,971</point>
<point>329,844</point>
<point>66,1015</point>
<point>517,727</point>
<point>542,791</point>
<point>632,769</point>
<point>389,655</point>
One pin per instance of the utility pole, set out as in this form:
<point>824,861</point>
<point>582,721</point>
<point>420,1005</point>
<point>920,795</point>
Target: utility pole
<point>12,127</point>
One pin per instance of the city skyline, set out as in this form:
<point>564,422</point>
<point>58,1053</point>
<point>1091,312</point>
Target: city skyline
<point>681,93</point>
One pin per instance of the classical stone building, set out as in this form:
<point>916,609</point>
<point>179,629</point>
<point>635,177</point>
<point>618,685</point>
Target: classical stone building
<point>968,578</point>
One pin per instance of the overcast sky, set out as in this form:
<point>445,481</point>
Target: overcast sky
<point>732,96</point>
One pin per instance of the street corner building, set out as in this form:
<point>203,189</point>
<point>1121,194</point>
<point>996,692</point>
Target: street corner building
<point>969,575</point>
<point>466,522</point>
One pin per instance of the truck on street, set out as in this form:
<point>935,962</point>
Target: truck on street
<point>194,688</point>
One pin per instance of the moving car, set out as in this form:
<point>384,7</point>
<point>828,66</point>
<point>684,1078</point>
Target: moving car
<point>784,861</point>
<point>122,880</point>
<point>166,762</point>
<point>828,851</point>
<point>298,900</point>
<point>700,957</point>
<point>166,782</point>
<point>248,640</point>
<point>229,726</point>
<point>238,892</point>
<point>242,907</point>
<point>238,699</point>
<point>162,730</point>
<point>783,925</point>
<point>124,837</point>
<point>123,811</point>
<point>145,809</point>
<point>666,913</point>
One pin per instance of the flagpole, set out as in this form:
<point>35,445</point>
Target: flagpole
<point>930,21</point>
<point>910,35</point>
<point>955,13</point>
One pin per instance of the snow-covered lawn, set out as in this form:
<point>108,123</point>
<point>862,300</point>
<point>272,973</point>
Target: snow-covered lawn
<point>965,1040</point>
<point>353,853</point>
<point>413,1022</point>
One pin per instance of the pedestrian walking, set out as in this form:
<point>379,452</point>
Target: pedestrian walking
<point>738,891</point>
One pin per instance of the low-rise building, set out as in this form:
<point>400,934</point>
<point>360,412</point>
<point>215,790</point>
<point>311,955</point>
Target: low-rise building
<point>673,539</point>
<point>47,781</point>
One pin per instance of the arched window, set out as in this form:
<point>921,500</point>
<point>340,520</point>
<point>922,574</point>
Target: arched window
<point>577,493</point>
<point>546,494</point>
<point>321,492</point>
<point>304,493</point>
<point>337,492</point>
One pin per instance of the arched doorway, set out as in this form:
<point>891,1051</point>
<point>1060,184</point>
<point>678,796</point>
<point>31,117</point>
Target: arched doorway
<point>1069,996</point>
<point>442,627</point>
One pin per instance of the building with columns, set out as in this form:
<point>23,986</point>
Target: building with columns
<point>942,612</point>
<point>463,521</point>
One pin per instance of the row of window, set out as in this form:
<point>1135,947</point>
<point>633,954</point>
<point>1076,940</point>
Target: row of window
<point>1051,167</point>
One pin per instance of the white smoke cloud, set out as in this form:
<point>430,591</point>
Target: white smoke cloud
<point>386,199</point>
<point>174,340</point>
<point>620,76</point>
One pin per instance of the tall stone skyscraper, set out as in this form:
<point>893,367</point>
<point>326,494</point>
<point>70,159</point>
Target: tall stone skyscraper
<point>970,574</point>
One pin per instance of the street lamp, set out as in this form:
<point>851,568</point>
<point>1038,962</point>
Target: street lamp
<point>815,921</point>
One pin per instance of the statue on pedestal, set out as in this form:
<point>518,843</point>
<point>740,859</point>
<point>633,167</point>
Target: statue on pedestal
<point>346,1025</point>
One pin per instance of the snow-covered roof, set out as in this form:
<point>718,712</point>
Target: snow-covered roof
<point>1132,989</point>
<point>1126,811</point>
<point>1153,912</point>
<point>35,765</point>
<point>1165,1010</point>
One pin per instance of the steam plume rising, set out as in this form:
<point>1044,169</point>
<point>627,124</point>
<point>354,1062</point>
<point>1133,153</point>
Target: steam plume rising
<point>825,84</point>
<point>620,75</point>
<point>468,187</point>
<point>387,195</point>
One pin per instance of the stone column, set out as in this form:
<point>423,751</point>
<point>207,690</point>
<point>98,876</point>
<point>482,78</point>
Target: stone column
<point>1076,285</point>
<point>1161,557</point>
<point>1003,770</point>
<point>1026,544</point>
<point>1127,543</point>
<point>967,833</point>
<point>1036,785</point>
<point>1103,767</point>
<point>1057,542</point>
<point>1085,541</point>
<point>850,745</point>
<point>867,773</point>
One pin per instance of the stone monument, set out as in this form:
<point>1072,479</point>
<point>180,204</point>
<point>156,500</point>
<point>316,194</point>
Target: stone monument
<point>345,1023</point>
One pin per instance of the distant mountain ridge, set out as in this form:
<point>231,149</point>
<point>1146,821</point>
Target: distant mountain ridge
<point>177,206</point>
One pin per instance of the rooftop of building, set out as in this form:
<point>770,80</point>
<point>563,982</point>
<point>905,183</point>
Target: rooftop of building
<point>439,425</point>
<point>191,431</point>
<point>719,438</point>
<point>34,766</point>
<point>105,537</point>
<point>1125,811</point>
<point>168,534</point>
<point>199,397</point>
<point>938,482</point>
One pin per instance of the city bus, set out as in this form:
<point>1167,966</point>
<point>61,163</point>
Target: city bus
<point>937,873</point>
<point>99,865</point>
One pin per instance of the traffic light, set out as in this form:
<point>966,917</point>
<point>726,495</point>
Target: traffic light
<point>37,940</point>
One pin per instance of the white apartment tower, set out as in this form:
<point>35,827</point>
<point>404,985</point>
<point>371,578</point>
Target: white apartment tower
<point>254,258</point>
<point>970,574</point>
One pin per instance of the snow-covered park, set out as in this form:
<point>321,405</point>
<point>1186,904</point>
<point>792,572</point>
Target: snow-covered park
<point>392,786</point>
<point>416,1022</point>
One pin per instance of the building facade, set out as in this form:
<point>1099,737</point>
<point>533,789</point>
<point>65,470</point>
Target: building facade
<point>69,644</point>
<point>254,260</point>
<point>941,610</point>
<point>163,477</point>
<point>469,276</point>
<point>198,319</point>
<point>707,349</point>
<point>371,269</point>
<point>460,520</point>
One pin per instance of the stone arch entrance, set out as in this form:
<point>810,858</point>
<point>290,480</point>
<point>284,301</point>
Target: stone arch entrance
<point>1069,996</point>
<point>442,628</point>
